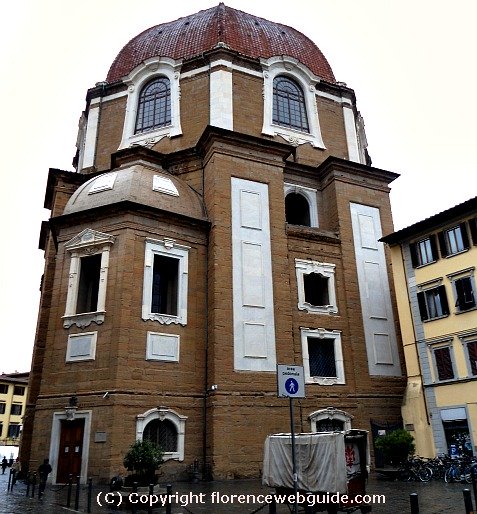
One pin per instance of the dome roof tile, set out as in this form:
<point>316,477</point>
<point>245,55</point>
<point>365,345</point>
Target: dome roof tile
<point>244,33</point>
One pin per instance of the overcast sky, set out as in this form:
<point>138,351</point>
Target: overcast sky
<point>412,64</point>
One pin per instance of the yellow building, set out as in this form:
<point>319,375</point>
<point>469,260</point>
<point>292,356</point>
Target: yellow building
<point>434,264</point>
<point>13,395</point>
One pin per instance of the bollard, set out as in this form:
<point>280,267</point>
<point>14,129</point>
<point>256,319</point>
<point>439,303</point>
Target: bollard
<point>414,499</point>
<point>473,474</point>
<point>10,481</point>
<point>469,509</point>
<point>151,492</point>
<point>168,498</point>
<point>77,493</point>
<point>33,485</point>
<point>133,506</point>
<point>272,507</point>
<point>70,485</point>
<point>28,485</point>
<point>90,493</point>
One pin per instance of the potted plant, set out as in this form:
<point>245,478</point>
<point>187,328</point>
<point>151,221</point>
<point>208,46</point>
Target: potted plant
<point>143,459</point>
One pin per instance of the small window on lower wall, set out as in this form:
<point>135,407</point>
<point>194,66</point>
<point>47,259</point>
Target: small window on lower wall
<point>162,347</point>
<point>322,356</point>
<point>165,282</point>
<point>81,347</point>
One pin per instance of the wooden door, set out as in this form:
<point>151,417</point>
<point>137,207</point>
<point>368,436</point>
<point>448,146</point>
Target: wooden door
<point>71,450</point>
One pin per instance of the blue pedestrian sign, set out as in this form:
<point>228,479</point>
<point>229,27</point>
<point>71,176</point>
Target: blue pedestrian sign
<point>291,386</point>
<point>290,381</point>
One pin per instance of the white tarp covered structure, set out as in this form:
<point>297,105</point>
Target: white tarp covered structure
<point>320,462</point>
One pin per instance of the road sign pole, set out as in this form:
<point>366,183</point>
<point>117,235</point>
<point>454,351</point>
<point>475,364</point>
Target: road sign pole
<point>295,476</point>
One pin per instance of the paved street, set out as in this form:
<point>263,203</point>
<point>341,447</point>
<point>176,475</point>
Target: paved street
<point>434,498</point>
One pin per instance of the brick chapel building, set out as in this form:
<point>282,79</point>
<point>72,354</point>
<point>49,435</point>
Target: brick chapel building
<point>223,217</point>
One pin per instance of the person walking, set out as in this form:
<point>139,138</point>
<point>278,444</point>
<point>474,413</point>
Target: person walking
<point>16,468</point>
<point>43,471</point>
<point>4,465</point>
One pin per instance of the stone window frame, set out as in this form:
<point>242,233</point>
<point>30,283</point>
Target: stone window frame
<point>305,267</point>
<point>86,243</point>
<point>439,344</point>
<point>469,274</point>
<point>322,333</point>
<point>330,413</point>
<point>426,293</point>
<point>310,195</point>
<point>424,251</point>
<point>176,419</point>
<point>465,341</point>
<point>136,80</point>
<point>453,240</point>
<point>293,69</point>
<point>167,248</point>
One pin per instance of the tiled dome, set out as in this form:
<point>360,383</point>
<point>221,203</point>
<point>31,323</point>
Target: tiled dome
<point>246,34</point>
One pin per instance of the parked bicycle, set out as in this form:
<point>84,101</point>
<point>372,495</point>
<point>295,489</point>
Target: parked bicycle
<point>415,469</point>
<point>459,470</point>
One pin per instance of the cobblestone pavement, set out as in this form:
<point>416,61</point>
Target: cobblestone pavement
<point>434,498</point>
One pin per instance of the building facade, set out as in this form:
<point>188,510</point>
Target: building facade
<point>223,217</point>
<point>13,396</point>
<point>434,272</point>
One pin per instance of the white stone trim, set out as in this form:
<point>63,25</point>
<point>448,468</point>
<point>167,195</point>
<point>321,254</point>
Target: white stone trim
<point>155,66</point>
<point>163,413</point>
<point>374,292</point>
<point>253,305</point>
<point>351,135</point>
<point>305,267</point>
<point>311,196</point>
<point>330,413</point>
<point>88,242</point>
<point>162,347</point>
<point>167,248</point>
<point>221,98</point>
<point>55,443</point>
<point>290,67</point>
<point>91,136</point>
<point>321,333</point>
<point>103,182</point>
<point>88,337</point>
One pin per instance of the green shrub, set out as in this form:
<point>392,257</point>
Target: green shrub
<point>396,446</point>
<point>143,459</point>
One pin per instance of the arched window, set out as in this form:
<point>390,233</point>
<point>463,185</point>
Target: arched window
<point>166,428</point>
<point>163,433</point>
<point>289,104</point>
<point>154,107</point>
<point>297,210</point>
